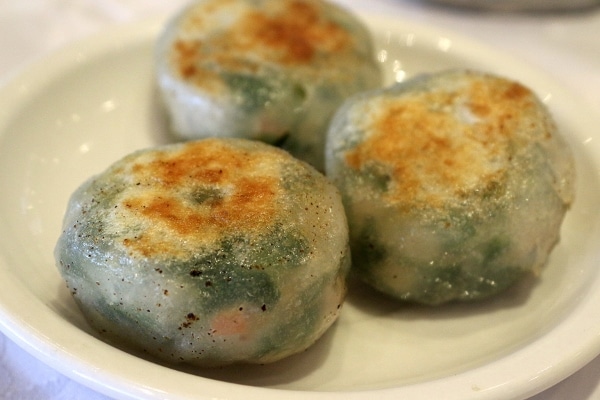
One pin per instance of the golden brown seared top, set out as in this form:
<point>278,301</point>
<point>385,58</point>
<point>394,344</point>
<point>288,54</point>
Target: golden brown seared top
<point>445,141</point>
<point>284,32</point>
<point>198,193</point>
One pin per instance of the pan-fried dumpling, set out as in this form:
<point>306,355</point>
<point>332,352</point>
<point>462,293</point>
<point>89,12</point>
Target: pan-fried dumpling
<point>455,185</point>
<point>211,252</point>
<point>272,70</point>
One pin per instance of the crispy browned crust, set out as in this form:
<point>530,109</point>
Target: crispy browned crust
<point>440,143</point>
<point>200,191</point>
<point>288,33</point>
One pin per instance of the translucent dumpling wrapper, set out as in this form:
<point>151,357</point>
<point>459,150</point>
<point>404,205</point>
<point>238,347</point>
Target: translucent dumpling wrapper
<point>271,70</point>
<point>208,253</point>
<point>455,185</point>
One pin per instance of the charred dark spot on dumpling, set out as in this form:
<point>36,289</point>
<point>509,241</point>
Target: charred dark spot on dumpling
<point>191,317</point>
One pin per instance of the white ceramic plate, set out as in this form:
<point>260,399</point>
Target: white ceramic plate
<point>75,113</point>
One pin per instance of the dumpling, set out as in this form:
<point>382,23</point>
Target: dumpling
<point>455,185</point>
<point>211,252</point>
<point>271,70</point>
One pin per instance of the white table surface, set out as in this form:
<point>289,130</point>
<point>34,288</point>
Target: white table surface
<point>565,45</point>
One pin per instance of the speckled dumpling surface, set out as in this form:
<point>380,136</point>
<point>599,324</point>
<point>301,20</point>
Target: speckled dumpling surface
<point>272,70</point>
<point>455,185</point>
<point>208,252</point>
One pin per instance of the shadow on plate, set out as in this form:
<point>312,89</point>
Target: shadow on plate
<point>280,373</point>
<point>370,301</point>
